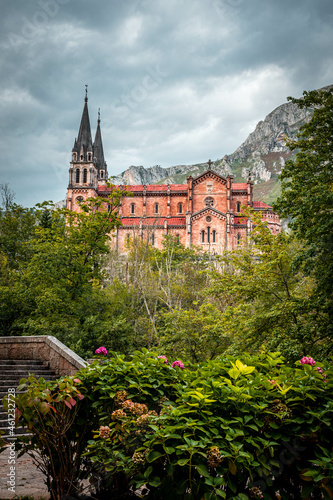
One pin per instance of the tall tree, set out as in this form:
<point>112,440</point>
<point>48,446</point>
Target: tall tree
<point>266,298</point>
<point>307,196</point>
<point>51,271</point>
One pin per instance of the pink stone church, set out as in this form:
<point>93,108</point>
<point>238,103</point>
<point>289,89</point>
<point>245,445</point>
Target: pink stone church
<point>204,212</point>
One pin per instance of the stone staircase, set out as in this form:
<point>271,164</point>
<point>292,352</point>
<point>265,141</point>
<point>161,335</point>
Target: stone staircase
<point>11,372</point>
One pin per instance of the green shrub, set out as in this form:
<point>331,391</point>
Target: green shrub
<point>59,423</point>
<point>225,428</point>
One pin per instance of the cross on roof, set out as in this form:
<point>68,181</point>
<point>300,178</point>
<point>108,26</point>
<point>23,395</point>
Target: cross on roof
<point>210,163</point>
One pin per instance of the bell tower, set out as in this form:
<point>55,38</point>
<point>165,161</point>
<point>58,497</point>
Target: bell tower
<point>88,167</point>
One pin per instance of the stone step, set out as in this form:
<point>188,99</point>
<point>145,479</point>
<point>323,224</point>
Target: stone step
<point>4,427</point>
<point>15,382</point>
<point>11,372</point>
<point>26,368</point>
<point>6,375</point>
<point>19,432</point>
<point>20,362</point>
<point>5,393</point>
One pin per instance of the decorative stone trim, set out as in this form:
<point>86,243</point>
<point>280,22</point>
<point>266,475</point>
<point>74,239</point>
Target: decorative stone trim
<point>45,348</point>
<point>208,211</point>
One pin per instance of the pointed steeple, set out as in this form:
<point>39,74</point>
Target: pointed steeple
<point>98,150</point>
<point>83,143</point>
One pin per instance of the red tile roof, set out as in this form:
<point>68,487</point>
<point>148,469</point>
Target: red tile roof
<point>149,188</point>
<point>240,220</point>
<point>153,221</point>
<point>260,204</point>
<point>241,185</point>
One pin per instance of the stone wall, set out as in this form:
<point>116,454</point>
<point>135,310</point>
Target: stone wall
<point>44,348</point>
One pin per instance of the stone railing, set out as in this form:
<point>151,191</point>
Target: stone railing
<point>44,348</point>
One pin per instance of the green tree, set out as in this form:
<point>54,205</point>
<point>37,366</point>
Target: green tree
<point>51,279</point>
<point>266,297</point>
<point>307,197</point>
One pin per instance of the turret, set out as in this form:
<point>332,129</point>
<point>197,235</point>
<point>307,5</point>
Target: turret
<point>98,153</point>
<point>83,150</point>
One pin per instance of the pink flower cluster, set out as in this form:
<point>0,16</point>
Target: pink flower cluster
<point>306,360</point>
<point>179,364</point>
<point>175,363</point>
<point>320,370</point>
<point>101,350</point>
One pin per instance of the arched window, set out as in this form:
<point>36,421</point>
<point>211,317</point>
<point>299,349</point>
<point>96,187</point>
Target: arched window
<point>177,238</point>
<point>214,236</point>
<point>132,208</point>
<point>238,238</point>
<point>102,174</point>
<point>153,239</point>
<point>208,234</point>
<point>238,207</point>
<point>180,208</point>
<point>156,208</point>
<point>81,157</point>
<point>74,156</point>
<point>202,236</point>
<point>89,156</point>
<point>85,174</point>
<point>77,175</point>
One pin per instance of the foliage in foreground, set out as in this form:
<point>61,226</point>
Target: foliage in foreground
<point>225,428</point>
<point>59,426</point>
<point>228,428</point>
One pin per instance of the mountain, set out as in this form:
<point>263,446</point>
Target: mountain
<point>263,153</point>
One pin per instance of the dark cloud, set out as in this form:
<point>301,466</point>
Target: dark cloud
<point>177,82</point>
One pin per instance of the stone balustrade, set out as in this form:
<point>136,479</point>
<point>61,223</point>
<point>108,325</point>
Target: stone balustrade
<point>44,348</point>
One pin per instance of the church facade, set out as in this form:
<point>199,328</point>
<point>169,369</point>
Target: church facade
<point>205,212</point>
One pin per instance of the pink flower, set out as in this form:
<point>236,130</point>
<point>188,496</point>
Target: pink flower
<point>306,360</point>
<point>321,371</point>
<point>273,382</point>
<point>179,364</point>
<point>163,357</point>
<point>101,350</point>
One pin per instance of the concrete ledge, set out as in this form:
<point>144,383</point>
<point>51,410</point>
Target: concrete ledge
<point>45,348</point>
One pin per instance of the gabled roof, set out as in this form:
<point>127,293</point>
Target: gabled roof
<point>236,186</point>
<point>209,174</point>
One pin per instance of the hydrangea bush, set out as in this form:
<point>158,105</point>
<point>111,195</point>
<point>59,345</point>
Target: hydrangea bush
<point>228,428</point>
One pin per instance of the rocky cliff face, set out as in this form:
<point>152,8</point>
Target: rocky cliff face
<point>263,155</point>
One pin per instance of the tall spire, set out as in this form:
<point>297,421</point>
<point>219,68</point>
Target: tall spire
<point>98,148</point>
<point>83,143</point>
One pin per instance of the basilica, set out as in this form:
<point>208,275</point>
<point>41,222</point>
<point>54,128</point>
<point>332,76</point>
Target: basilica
<point>205,212</point>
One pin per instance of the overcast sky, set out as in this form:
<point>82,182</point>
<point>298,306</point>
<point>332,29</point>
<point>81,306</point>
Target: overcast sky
<point>178,82</point>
